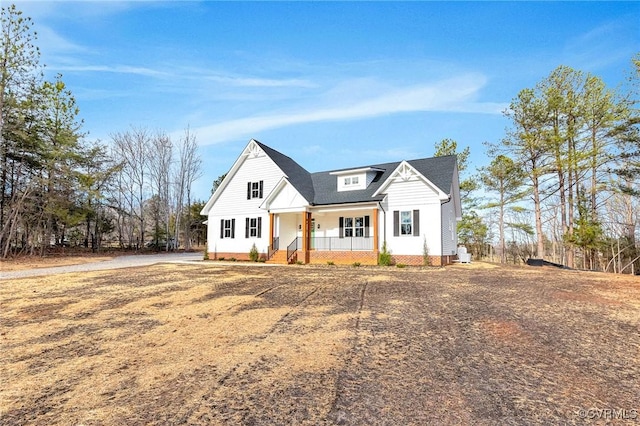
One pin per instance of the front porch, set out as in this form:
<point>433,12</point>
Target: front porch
<point>340,237</point>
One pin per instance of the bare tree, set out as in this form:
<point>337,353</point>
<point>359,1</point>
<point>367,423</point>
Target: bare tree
<point>189,170</point>
<point>132,149</point>
<point>160,164</point>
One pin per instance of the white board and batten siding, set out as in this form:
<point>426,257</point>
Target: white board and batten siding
<point>449,229</point>
<point>232,203</point>
<point>411,195</point>
<point>287,199</point>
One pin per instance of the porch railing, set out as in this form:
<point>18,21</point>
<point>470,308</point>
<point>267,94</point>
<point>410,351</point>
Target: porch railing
<point>275,246</point>
<point>342,244</point>
<point>293,248</point>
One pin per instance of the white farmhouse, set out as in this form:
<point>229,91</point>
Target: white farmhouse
<point>342,216</point>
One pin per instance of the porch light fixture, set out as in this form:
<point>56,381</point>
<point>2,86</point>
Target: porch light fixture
<point>299,226</point>
<point>318,226</point>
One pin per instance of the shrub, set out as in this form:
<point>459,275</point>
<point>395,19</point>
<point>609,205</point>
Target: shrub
<point>206,255</point>
<point>426,260</point>
<point>330,262</point>
<point>356,264</point>
<point>262,260</point>
<point>253,253</point>
<point>299,262</point>
<point>384,257</point>
<point>221,258</point>
<point>401,265</point>
<point>232,259</point>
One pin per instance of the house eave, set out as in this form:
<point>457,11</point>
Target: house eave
<point>423,178</point>
<point>359,170</point>
<point>344,206</point>
<point>232,171</point>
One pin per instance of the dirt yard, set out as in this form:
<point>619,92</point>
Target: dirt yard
<point>208,344</point>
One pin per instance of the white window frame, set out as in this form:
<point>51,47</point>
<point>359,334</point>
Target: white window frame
<point>255,190</point>
<point>353,226</point>
<point>406,227</point>
<point>227,228</point>
<point>253,227</point>
<point>351,180</point>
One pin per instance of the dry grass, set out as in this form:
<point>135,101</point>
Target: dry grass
<point>211,344</point>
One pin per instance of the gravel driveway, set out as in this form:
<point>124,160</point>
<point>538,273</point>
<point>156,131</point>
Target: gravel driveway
<point>115,263</point>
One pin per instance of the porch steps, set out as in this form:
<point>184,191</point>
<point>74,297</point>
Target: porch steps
<point>279,257</point>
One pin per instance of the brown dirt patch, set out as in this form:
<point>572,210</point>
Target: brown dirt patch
<point>233,344</point>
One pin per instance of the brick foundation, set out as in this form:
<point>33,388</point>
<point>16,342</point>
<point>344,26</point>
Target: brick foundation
<point>343,257</point>
<point>347,258</point>
<point>228,256</point>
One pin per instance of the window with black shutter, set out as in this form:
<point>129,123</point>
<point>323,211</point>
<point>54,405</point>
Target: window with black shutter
<point>253,227</point>
<point>353,226</point>
<point>255,189</point>
<point>227,228</point>
<point>406,223</point>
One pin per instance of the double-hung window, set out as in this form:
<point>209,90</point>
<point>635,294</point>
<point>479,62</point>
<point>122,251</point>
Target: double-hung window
<point>253,227</point>
<point>348,227</point>
<point>354,226</point>
<point>406,222</point>
<point>227,228</point>
<point>254,189</point>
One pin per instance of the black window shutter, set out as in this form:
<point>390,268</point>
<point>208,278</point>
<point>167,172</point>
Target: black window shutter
<point>221,228</point>
<point>366,226</point>
<point>341,225</point>
<point>259,227</point>
<point>260,196</point>
<point>416,223</point>
<point>246,228</point>
<point>233,228</point>
<point>396,223</point>
<point>248,190</point>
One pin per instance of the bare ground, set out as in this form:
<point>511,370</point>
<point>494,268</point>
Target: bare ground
<point>234,344</point>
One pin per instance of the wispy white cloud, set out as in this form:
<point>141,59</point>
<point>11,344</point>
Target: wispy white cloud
<point>602,46</point>
<point>119,69</point>
<point>455,94</point>
<point>50,41</point>
<point>54,9</point>
<point>259,82</point>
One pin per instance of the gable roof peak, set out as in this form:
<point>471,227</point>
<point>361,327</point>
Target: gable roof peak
<point>297,175</point>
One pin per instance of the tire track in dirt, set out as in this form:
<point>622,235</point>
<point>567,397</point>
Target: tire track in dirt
<point>287,318</point>
<point>335,415</point>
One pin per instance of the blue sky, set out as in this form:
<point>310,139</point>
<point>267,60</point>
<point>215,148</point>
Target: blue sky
<point>330,84</point>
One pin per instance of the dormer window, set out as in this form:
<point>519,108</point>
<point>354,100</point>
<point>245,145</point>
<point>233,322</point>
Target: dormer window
<point>351,180</point>
<point>354,179</point>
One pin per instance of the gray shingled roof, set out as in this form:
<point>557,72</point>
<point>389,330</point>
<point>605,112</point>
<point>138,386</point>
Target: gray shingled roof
<point>297,175</point>
<point>321,188</point>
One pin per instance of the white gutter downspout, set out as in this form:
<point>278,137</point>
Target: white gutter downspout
<point>384,224</point>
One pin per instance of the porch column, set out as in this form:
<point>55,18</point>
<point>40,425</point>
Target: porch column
<point>271,221</point>
<point>306,235</point>
<point>375,230</point>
